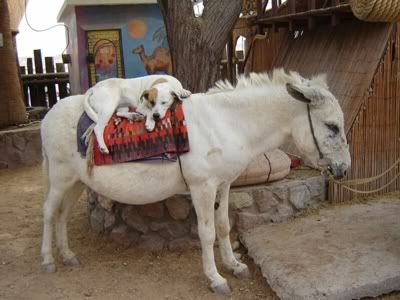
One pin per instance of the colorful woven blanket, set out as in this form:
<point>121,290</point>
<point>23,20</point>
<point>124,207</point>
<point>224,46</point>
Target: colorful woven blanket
<point>129,140</point>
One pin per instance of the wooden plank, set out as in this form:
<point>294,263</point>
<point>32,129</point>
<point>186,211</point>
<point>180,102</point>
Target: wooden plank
<point>51,87</point>
<point>62,87</point>
<point>40,94</point>
<point>29,65</point>
<point>259,7</point>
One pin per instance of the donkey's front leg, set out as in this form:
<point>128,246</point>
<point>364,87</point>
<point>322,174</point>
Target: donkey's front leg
<point>239,269</point>
<point>203,197</point>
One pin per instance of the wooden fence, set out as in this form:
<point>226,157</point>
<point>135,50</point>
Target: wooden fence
<point>44,88</point>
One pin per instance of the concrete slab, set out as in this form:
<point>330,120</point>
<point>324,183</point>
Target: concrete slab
<point>344,252</point>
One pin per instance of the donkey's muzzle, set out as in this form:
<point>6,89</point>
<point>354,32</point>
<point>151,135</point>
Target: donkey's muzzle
<point>338,171</point>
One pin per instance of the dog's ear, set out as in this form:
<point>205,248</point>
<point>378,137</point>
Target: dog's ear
<point>176,97</point>
<point>144,95</point>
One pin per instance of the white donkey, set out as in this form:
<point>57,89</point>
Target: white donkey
<point>227,130</point>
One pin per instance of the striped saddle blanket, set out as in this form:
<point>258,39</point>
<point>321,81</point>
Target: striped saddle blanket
<point>130,141</point>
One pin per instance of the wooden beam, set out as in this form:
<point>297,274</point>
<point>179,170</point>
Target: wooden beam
<point>312,4</point>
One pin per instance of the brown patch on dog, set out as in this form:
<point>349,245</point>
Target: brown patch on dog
<point>159,80</point>
<point>151,95</point>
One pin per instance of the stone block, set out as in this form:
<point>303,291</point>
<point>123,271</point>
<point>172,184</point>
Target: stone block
<point>105,202</point>
<point>299,196</point>
<point>120,235</point>
<point>178,207</point>
<point>133,219</point>
<point>97,219</point>
<point>154,210</point>
<point>246,220</point>
<point>240,200</point>
<point>265,200</point>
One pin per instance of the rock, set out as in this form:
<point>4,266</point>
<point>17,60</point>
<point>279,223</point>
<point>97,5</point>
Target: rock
<point>154,210</point>
<point>97,219</point>
<point>19,142</point>
<point>358,258</point>
<point>265,201</point>
<point>239,200</point>
<point>194,231</point>
<point>159,225</point>
<point>246,220</point>
<point>105,202</point>
<point>284,212</point>
<point>109,220</point>
<point>152,242</point>
<point>120,235</point>
<point>317,187</point>
<point>178,207</point>
<point>132,218</point>
<point>299,196</point>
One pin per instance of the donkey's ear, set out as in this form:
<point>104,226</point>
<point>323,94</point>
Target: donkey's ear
<point>310,95</point>
<point>144,95</point>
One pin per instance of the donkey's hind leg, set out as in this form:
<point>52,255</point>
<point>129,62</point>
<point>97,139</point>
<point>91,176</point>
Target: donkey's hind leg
<point>222,226</point>
<point>68,257</point>
<point>59,184</point>
<point>203,197</point>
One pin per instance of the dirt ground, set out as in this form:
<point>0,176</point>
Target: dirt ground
<point>107,271</point>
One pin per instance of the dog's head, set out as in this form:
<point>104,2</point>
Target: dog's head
<point>159,98</point>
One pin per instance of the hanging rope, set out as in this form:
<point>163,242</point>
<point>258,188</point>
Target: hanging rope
<point>346,184</point>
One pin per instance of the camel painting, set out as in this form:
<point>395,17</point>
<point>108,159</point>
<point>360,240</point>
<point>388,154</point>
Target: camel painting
<point>159,61</point>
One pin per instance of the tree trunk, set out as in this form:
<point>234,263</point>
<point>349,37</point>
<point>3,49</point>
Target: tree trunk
<point>197,44</point>
<point>12,108</point>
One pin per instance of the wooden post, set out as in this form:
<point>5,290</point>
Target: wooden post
<point>51,87</point>
<point>274,8</point>
<point>62,87</point>
<point>292,6</point>
<point>229,58</point>
<point>41,93</point>
<point>311,20</point>
<point>260,12</point>
<point>29,65</point>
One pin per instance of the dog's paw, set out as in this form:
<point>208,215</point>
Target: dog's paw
<point>104,150</point>
<point>184,94</point>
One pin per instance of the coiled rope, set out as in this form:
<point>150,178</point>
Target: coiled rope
<point>376,10</point>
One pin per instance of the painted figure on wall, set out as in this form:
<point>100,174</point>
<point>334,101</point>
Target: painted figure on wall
<point>105,60</point>
<point>151,50</point>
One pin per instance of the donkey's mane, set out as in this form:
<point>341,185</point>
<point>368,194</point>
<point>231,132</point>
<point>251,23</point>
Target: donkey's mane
<point>277,77</point>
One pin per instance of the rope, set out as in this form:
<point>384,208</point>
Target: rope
<point>376,10</point>
<point>345,184</point>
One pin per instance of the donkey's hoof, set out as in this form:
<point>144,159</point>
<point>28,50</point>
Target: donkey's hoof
<point>72,262</point>
<point>221,289</point>
<point>49,268</point>
<point>243,273</point>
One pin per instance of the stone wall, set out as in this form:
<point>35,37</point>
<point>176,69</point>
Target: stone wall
<point>172,223</point>
<point>20,147</point>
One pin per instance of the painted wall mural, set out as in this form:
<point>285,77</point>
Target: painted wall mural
<point>131,42</point>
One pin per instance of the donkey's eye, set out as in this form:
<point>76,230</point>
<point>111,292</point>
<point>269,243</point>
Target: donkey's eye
<point>333,127</point>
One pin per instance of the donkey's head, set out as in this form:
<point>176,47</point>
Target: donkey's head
<point>318,129</point>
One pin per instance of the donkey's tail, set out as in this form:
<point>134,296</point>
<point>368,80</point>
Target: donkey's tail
<point>88,108</point>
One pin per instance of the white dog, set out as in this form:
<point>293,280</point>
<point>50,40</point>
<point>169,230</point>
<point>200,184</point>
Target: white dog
<point>151,96</point>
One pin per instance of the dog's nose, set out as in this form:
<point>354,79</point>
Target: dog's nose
<point>156,116</point>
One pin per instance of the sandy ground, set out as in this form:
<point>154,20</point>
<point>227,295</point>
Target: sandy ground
<point>107,271</point>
